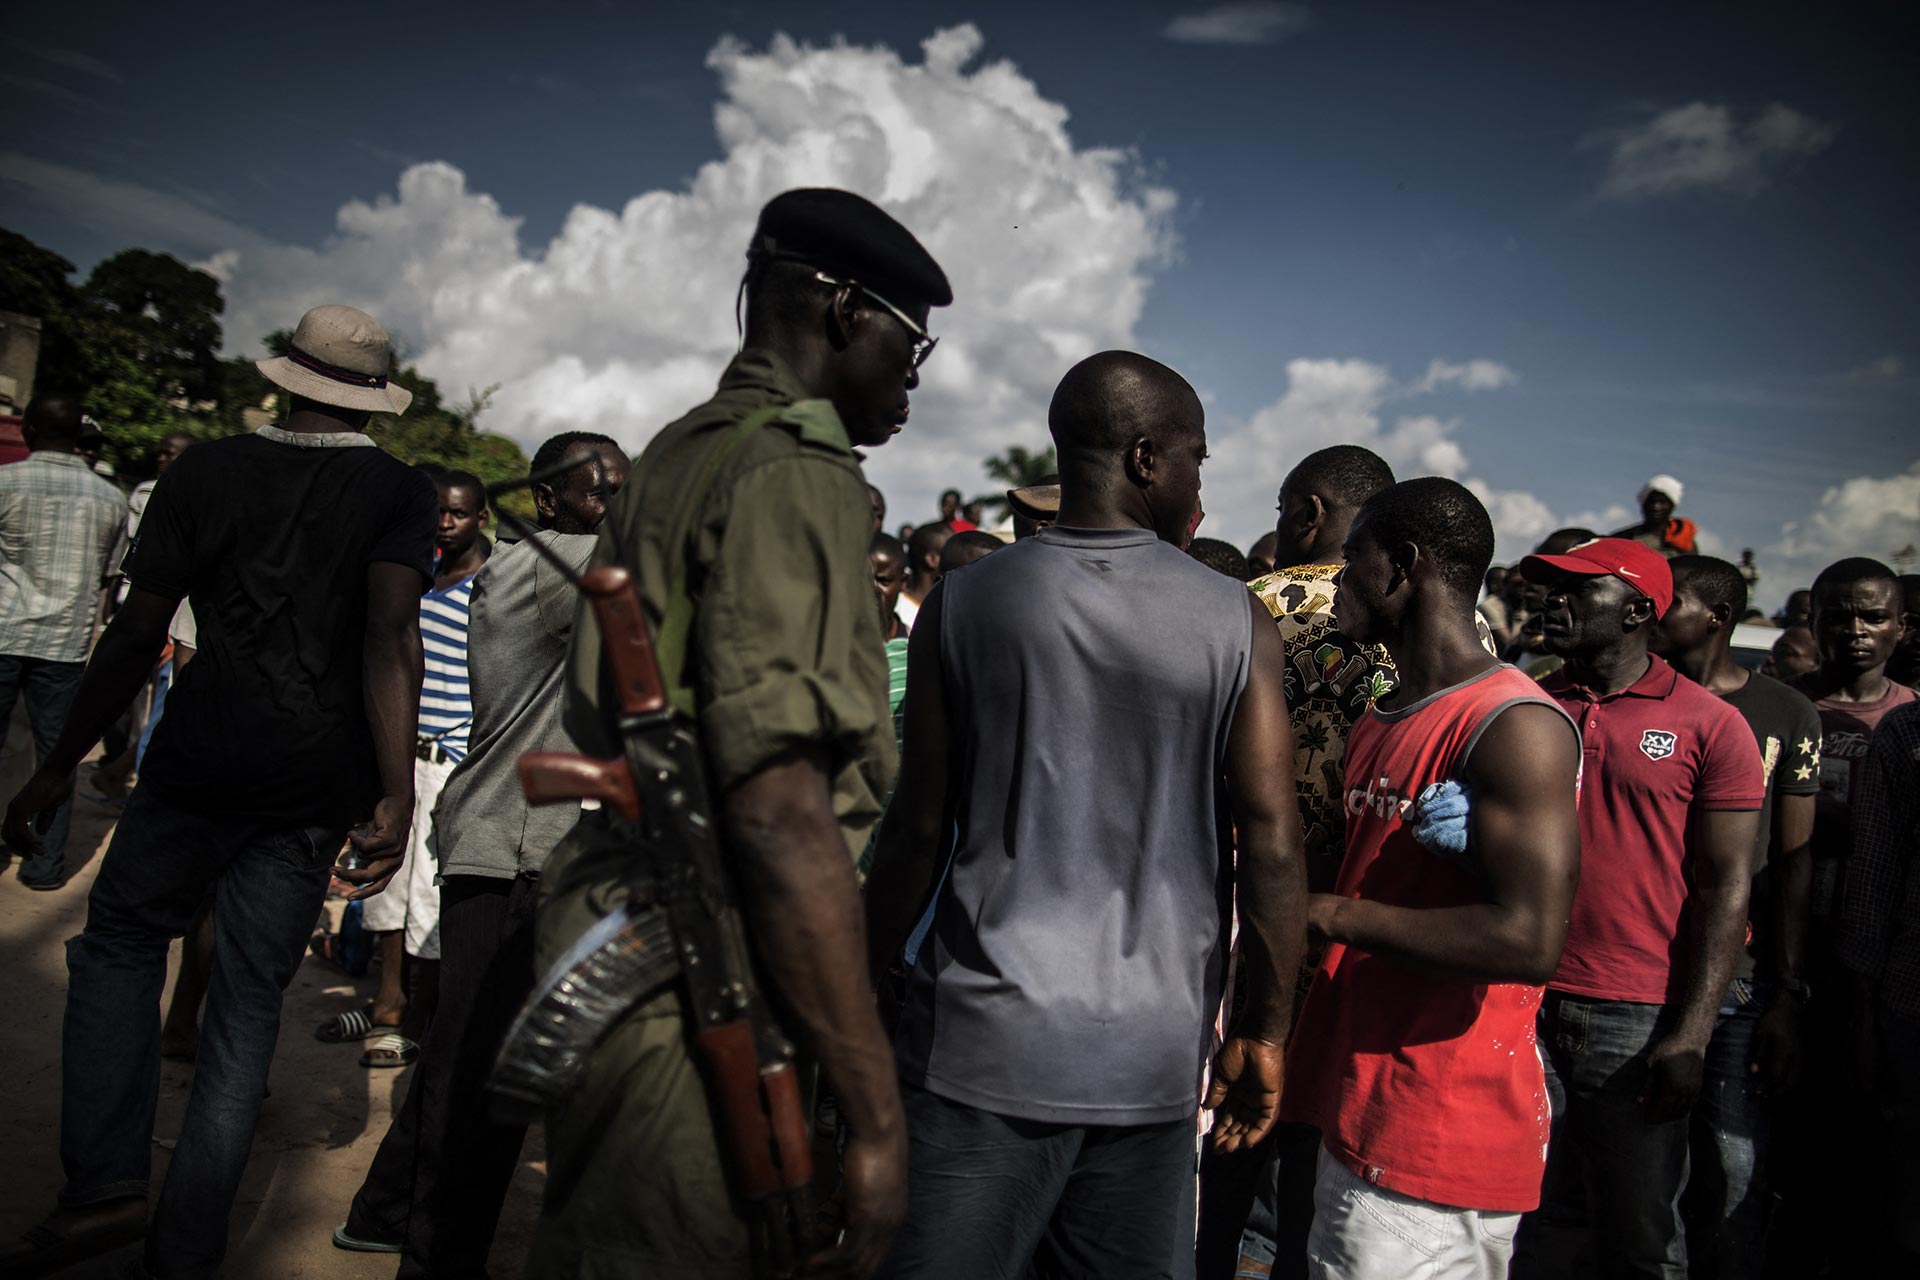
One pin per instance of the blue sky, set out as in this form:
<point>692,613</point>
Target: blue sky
<point>1686,238</point>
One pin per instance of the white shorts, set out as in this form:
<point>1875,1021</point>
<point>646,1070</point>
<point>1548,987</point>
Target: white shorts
<point>1364,1232</point>
<point>412,901</point>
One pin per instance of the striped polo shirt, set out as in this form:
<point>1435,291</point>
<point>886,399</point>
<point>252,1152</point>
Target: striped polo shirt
<point>446,700</point>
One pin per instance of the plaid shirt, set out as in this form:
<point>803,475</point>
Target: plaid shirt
<point>59,523</point>
<point>1880,916</point>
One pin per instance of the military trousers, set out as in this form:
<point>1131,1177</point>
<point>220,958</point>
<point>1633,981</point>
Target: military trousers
<point>635,1183</point>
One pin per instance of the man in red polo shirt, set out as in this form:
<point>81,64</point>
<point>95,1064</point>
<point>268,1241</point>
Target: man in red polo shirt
<point>1419,1067</point>
<point>1669,813</point>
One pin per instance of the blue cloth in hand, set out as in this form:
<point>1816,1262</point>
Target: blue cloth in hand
<point>1440,820</point>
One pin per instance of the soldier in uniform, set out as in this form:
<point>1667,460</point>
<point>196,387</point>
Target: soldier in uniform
<point>784,672</point>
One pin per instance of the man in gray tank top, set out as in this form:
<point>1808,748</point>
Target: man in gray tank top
<point>1091,718</point>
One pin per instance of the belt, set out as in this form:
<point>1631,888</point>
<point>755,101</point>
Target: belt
<point>430,750</point>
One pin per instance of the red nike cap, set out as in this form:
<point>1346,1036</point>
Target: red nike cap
<point>1634,563</point>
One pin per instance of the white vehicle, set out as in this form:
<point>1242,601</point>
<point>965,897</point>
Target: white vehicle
<point>1752,643</point>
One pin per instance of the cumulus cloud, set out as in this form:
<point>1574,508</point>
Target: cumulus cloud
<point>1703,147</point>
<point>1876,516</point>
<point>1261,22</point>
<point>625,318</point>
<point>1346,401</point>
<point>1470,375</point>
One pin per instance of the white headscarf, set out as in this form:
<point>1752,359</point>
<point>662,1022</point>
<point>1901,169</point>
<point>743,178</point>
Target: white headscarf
<point>1665,484</point>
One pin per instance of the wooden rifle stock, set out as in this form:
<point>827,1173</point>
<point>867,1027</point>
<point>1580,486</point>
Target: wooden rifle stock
<point>766,1129</point>
<point>749,1065</point>
<point>551,777</point>
<point>626,641</point>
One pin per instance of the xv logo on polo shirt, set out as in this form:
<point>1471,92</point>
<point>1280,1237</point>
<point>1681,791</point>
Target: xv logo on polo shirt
<point>1657,743</point>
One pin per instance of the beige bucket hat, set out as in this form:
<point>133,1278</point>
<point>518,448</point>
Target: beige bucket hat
<point>340,356</point>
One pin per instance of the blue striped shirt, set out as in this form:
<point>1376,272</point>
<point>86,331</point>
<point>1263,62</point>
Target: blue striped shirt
<point>446,700</point>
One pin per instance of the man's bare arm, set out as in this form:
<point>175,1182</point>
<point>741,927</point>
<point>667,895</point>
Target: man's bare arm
<point>906,860</point>
<point>1271,877</point>
<point>1525,838</point>
<point>121,664</point>
<point>392,665</point>
<point>1722,872</point>
<point>1791,860</point>
<point>802,905</point>
<point>1271,889</point>
<point>1776,1048</point>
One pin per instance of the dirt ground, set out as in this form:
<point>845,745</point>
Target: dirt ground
<point>317,1133</point>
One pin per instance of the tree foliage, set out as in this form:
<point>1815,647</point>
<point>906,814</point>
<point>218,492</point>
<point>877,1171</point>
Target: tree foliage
<point>34,282</point>
<point>140,342</point>
<point>162,313</point>
<point>1015,469</point>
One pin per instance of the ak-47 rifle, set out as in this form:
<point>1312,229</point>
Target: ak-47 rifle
<point>680,920</point>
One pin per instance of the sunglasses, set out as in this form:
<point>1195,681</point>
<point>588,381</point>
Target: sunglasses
<point>923,342</point>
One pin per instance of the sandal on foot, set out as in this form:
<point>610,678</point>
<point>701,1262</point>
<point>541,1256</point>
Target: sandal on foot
<point>45,1249</point>
<point>393,1050</point>
<point>325,946</point>
<point>354,1024</point>
<point>343,1240</point>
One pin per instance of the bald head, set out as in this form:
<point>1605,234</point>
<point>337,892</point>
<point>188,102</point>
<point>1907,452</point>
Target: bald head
<point>1131,436</point>
<point>1108,401</point>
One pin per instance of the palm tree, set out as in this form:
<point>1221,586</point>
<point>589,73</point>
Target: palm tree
<point>1314,738</point>
<point>1015,468</point>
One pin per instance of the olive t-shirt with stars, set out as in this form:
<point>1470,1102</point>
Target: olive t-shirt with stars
<point>1787,728</point>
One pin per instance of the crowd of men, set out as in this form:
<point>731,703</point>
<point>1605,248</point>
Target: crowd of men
<point>1139,906</point>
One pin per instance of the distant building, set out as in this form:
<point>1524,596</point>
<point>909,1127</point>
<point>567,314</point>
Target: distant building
<point>19,357</point>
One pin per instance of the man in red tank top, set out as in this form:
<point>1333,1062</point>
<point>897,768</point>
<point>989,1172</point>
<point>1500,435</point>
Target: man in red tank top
<point>1415,1047</point>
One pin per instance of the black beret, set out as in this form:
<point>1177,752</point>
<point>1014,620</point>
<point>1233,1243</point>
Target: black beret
<point>852,238</point>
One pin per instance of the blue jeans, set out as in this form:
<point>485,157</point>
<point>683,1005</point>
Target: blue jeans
<point>1728,1198</point>
<point>989,1195</point>
<point>268,881</point>
<point>49,687</point>
<point>1609,1168</point>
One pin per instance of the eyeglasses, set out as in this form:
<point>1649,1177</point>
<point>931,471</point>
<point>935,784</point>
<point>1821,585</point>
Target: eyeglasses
<point>923,342</point>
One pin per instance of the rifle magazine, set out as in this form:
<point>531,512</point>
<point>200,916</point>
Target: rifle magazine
<point>615,965</point>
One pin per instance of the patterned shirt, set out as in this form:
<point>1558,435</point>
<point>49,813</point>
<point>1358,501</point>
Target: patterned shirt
<point>59,523</point>
<point>446,702</point>
<point>897,686</point>
<point>896,699</point>
<point>1330,683</point>
<point>1880,918</point>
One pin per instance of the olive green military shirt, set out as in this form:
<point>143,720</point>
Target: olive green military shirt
<point>786,648</point>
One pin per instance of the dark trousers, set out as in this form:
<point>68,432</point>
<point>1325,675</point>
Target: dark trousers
<point>989,1195</point>
<point>1728,1200</point>
<point>1899,1176</point>
<point>268,881</point>
<point>441,1173</point>
<point>49,689</point>
<point>1828,1137</point>
<point>1613,1176</point>
<point>1256,1206</point>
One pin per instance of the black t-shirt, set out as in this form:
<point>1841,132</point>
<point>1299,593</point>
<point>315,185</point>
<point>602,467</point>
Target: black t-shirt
<point>1787,728</point>
<point>271,543</point>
